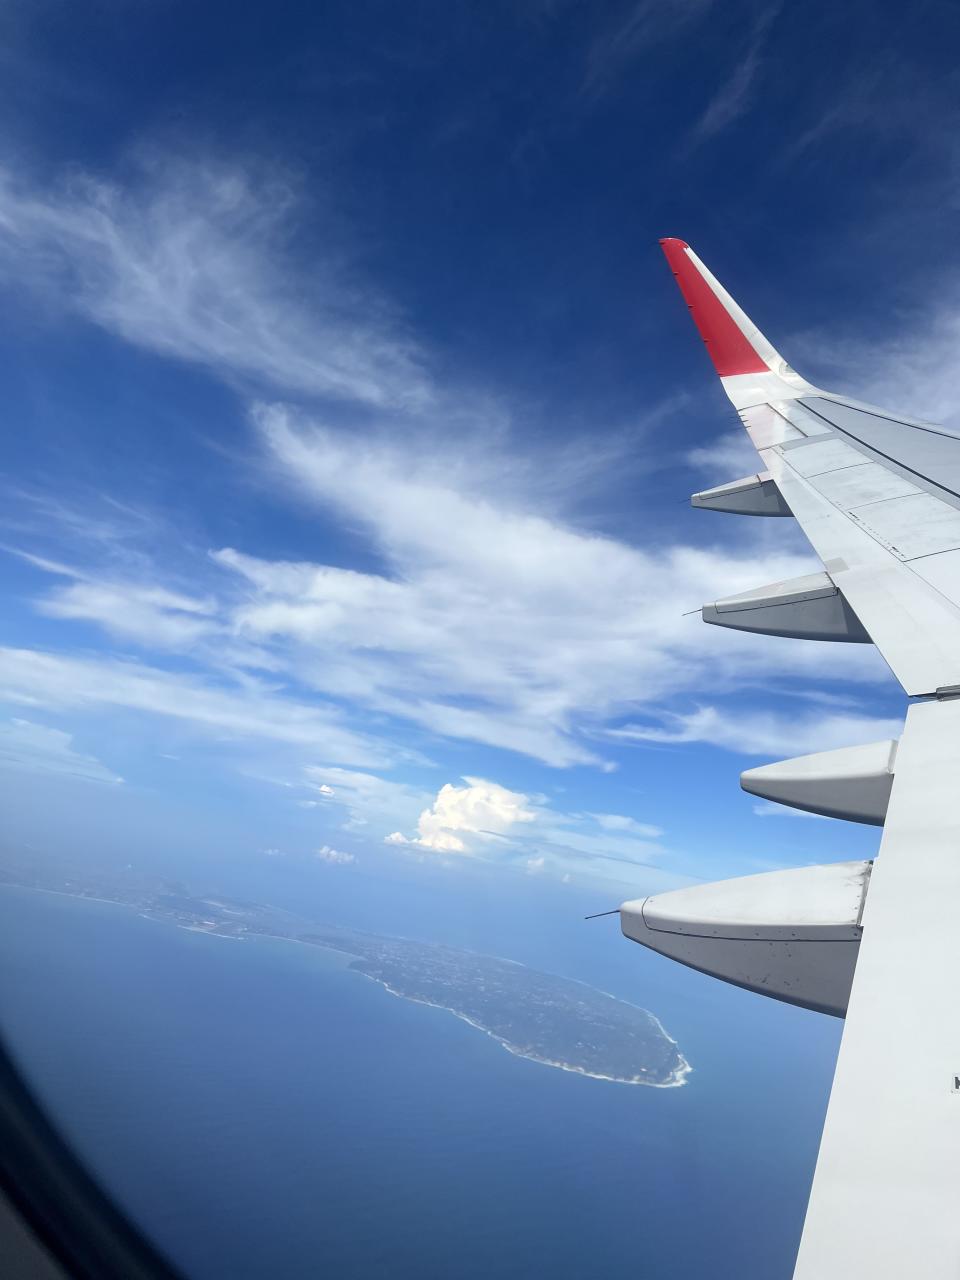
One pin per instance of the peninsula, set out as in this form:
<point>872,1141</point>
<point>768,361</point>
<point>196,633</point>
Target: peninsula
<point>556,1021</point>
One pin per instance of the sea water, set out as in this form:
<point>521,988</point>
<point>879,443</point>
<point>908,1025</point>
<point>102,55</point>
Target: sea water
<point>264,1112</point>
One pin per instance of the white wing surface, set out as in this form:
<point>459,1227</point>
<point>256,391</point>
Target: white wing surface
<point>878,496</point>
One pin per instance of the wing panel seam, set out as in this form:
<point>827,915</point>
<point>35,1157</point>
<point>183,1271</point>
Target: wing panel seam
<point>895,461</point>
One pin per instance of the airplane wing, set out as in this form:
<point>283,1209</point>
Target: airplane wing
<point>878,496</point>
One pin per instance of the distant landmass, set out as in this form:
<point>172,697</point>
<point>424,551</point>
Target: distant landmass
<point>556,1021</point>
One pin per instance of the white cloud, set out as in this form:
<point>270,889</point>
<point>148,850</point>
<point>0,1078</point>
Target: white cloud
<point>570,842</point>
<point>129,608</point>
<point>33,678</point>
<point>621,822</point>
<point>150,615</point>
<point>488,622</point>
<point>366,798</point>
<point>735,95</point>
<point>41,749</point>
<point>727,458</point>
<point>490,619</point>
<point>768,810</point>
<point>334,856</point>
<point>911,371</point>
<point>732,98</point>
<point>191,259</point>
<point>765,733</point>
<point>494,624</point>
<point>484,819</point>
<point>479,809</point>
<point>639,27</point>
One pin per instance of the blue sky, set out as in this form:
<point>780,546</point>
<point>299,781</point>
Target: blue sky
<point>351,412</point>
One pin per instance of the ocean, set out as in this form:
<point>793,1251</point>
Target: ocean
<point>263,1112</point>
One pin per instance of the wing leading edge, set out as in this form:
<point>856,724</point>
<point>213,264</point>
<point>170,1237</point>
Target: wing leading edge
<point>878,497</point>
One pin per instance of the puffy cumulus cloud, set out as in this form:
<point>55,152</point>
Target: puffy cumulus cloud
<point>191,259</point>
<point>42,749</point>
<point>478,809</point>
<point>336,857</point>
<point>486,820</point>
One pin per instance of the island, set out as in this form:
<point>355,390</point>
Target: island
<point>555,1021</point>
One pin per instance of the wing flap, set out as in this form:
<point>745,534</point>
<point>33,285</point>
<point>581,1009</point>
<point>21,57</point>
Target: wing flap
<point>862,484</point>
<point>887,1185</point>
<point>915,627</point>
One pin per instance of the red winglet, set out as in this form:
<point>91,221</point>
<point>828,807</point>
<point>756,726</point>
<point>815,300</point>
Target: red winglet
<point>726,343</point>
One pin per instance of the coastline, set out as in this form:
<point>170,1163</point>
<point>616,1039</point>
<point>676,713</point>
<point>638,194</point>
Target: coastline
<point>676,1079</point>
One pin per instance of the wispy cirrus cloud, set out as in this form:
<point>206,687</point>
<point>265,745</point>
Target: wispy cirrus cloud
<point>364,800</point>
<point>735,95</point>
<point>912,370</point>
<point>727,458</point>
<point>129,609</point>
<point>765,733</point>
<point>885,94</point>
<point>190,258</point>
<point>622,823</point>
<point>29,677</point>
<point>636,28</point>
<point>40,748</point>
<point>491,617</point>
<point>488,622</point>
